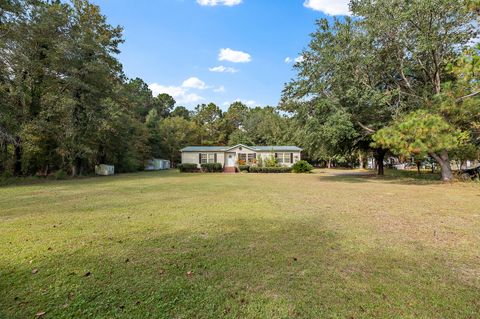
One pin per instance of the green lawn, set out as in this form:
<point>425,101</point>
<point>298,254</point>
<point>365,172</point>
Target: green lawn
<point>170,245</point>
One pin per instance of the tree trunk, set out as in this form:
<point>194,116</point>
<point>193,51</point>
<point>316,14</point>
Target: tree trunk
<point>418,167</point>
<point>360,161</point>
<point>76,166</point>
<point>3,158</point>
<point>379,157</point>
<point>329,163</point>
<point>444,162</point>
<point>17,167</point>
<point>74,170</point>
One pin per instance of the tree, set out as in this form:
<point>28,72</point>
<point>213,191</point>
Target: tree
<point>62,100</point>
<point>342,68</point>
<point>387,63</point>
<point>164,104</point>
<point>139,97</point>
<point>450,125</point>
<point>181,111</point>
<point>235,117</point>
<point>209,119</point>
<point>239,136</point>
<point>265,126</point>
<point>174,134</point>
<point>327,134</point>
<point>91,75</point>
<point>420,48</point>
<point>421,133</point>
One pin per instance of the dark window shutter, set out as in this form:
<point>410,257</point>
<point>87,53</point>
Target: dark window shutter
<point>291,157</point>
<point>276,155</point>
<point>254,155</point>
<point>215,158</point>
<point>199,158</point>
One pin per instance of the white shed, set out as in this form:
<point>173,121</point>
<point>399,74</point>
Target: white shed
<point>157,164</point>
<point>104,169</point>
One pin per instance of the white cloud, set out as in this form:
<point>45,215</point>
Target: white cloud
<point>194,83</point>
<point>299,59</point>
<point>233,56</point>
<point>330,7</point>
<point>250,103</point>
<point>180,94</point>
<point>220,89</point>
<point>222,68</point>
<point>212,3</point>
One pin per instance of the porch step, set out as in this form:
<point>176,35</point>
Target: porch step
<point>229,169</point>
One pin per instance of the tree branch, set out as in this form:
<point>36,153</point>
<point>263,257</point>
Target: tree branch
<point>467,96</point>
<point>366,128</point>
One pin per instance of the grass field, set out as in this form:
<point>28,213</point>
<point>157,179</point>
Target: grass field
<point>170,245</point>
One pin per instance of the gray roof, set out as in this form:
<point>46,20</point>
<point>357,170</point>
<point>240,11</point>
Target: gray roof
<point>204,148</point>
<point>273,148</point>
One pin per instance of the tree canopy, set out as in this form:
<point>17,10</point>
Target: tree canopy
<point>392,58</point>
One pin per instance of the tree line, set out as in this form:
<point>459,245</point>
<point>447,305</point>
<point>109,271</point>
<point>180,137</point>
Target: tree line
<point>65,103</point>
<point>398,78</point>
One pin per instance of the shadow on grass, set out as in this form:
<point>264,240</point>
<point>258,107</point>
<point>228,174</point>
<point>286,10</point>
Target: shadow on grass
<point>262,268</point>
<point>390,177</point>
<point>85,180</point>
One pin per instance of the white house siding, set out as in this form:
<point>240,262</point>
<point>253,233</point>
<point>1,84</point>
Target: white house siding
<point>193,157</point>
<point>244,150</point>
<point>296,156</point>
<point>221,158</point>
<point>191,154</point>
<point>189,157</point>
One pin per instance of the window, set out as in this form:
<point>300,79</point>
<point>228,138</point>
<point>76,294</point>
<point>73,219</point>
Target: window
<point>242,157</point>
<point>203,158</point>
<point>206,158</point>
<point>211,158</point>
<point>283,158</point>
<point>251,157</point>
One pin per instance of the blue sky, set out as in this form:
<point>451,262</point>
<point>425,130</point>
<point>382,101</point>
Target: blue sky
<point>220,51</point>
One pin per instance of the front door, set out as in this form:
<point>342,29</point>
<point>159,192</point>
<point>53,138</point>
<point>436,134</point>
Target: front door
<point>230,159</point>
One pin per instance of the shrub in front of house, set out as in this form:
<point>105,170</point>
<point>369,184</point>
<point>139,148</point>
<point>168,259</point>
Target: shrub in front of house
<point>244,168</point>
<point>280,169</point>
<point>187,167</point>
<point>211,167</point>
<point>302,167</point>
<point>271,161</point>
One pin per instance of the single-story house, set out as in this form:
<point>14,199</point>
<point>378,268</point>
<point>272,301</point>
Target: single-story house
<point>231,156</point>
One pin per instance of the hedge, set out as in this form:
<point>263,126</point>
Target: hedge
<point>244,168</point>
<point>187,167</point>
<point>211,167</point>
<point>254,169</point>
<point>302,167</point>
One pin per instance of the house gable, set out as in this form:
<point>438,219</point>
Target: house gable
<point>239,148</point>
